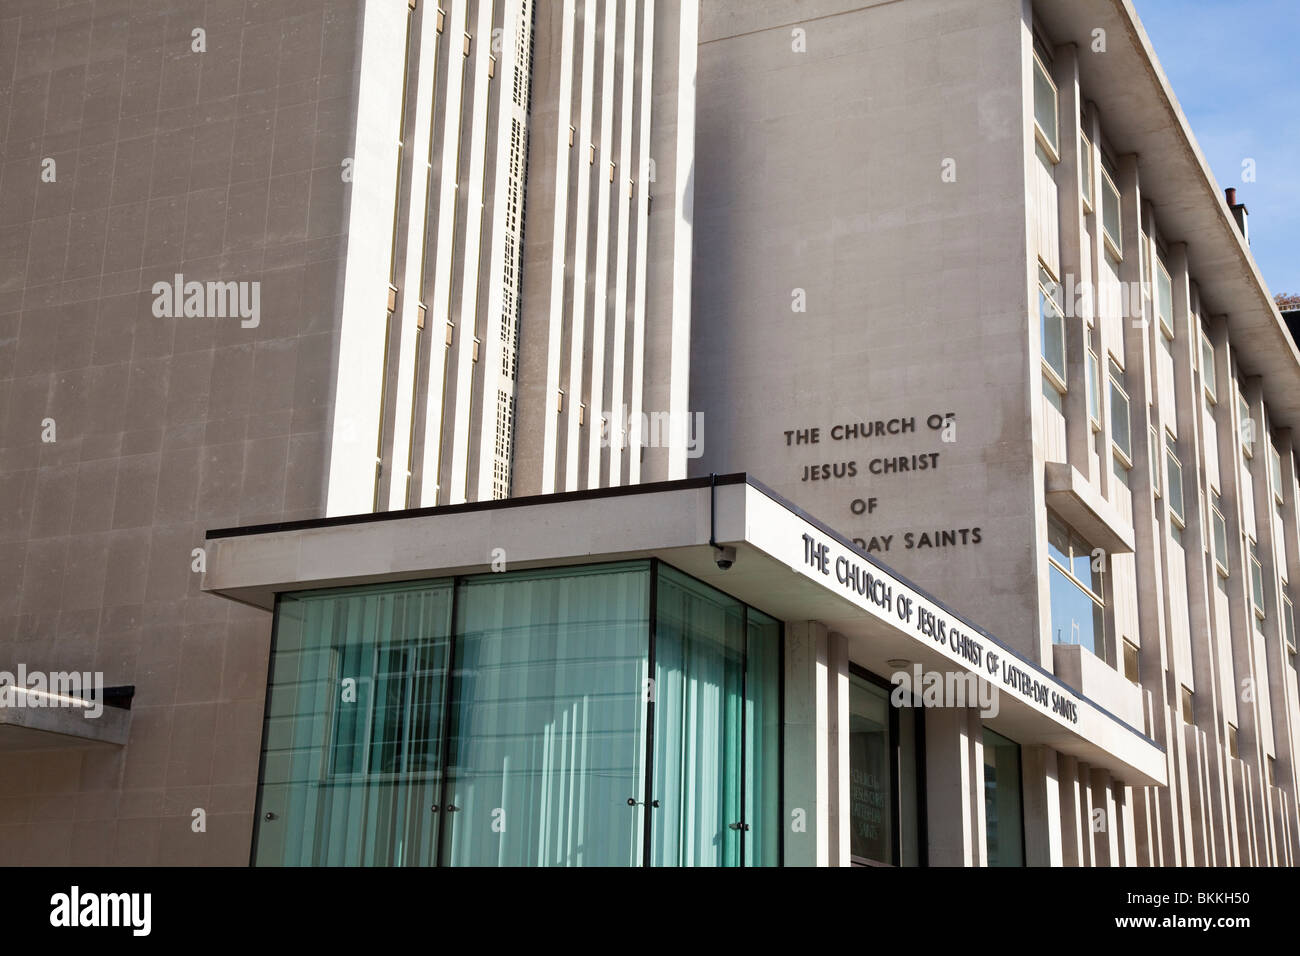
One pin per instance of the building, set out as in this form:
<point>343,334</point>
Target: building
<point>612,400</point>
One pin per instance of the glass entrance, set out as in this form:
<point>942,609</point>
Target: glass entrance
<point>620,714</point>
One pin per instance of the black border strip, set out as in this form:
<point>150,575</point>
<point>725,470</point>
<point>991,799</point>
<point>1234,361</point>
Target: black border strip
<point>592,494</point>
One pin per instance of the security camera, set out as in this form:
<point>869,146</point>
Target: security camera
<point>725,557</point>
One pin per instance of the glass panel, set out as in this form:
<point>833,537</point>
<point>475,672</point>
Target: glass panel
<point>350,766</point>
<point>870,787</point>
<point>547,728</point>
<point>1052,327</point>
<point>1085,160</point>
<point>1207,366</point>
<point>1003,821</point>
<point>1076,617</point>
<point>1058,542</point>
<point>1110,211</point>
<point>1094,389</point>
<point>1220,534</point>
<point>909,804</point>
<point>1045,105</point>
<point>1083,565</point>
<point>1164,297</point>
<point>762,740</point>
<point>1175,478</point>
<point>697,728</point>
<point>1256,581</point>
<point>1119,420</point>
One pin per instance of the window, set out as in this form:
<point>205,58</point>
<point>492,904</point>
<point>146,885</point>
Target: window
<point>1256,580</point>
<point>404,719</point>
<point>1052,323</point>
<point>1220,533</point>
<point>1185,697</point>
<point>1246,427</point>
<point>1156,469</point>
<point>1121,432</point>
<point>1075,583</point>
<point>1094,391</point>
<point>1288,622</point>
<point>1275,473</point>
<point>1085,169</point>
<point>1045,109</point>
<point>1207,368</point>
<point>1175,480</point>
<point>1233,750</point>
<point>1110,215</point>
<point>1131,662</point>
<point>1164,299</point>
<point>884,776</point>
<point>1004,826</point>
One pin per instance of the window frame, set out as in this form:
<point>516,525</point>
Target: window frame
<point>1086,184</point>
<point>1099,601</point>
<point>1045,296</point>
<point>1209,382</point>
<point>1257,592</point>
<point>1160,275</point>
<point>1218,521</point>
<point>1114,243</point>
<point>1172,463</point>
<point>1092,372</point>
<point>1117,387</point>
<point>1244,415</point>
<point>1040,135</point>
<point>1275,473</point>
<point>1157,464</point>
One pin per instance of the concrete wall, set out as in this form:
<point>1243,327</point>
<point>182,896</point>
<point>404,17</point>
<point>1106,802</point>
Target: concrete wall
<point>220,165</point>
<point>840,279</point>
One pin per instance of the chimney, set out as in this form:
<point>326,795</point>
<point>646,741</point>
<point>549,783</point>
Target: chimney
<point>1239,212</point>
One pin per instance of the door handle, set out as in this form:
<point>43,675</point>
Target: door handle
<point>738,826</point>
<point>633,801</point>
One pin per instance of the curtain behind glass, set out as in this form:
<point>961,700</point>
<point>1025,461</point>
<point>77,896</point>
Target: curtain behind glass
<point>351,759</point>
<point>763,740</point>
<point>548,719</point>
<point>699,668</point>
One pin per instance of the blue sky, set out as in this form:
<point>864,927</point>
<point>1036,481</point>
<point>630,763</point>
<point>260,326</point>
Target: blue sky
<point>1235,68</point>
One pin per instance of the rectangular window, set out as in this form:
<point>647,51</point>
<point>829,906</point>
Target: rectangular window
<point>1110,215</point>
<point>1288,622</point>
<point>884,774</point>
<point>1052,326</point>
<point>1085,169</point>
<point>1075,584</point>
<point>1275,473</point>
<point>1246,427</point>
<point>1185,697</point>
<point>1164,299</point>
<point>1220,533</point>
<point>1003,816</point>
<point>1121,433</point>
<point>1256,580</point>
<point>1233,750</point>
<point>1175,469</point>
<point>1207,368</point>
<point>1094,391</point>
<point>1156,465</point>
<point>1131,662</point>
<point>1045,109</point>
